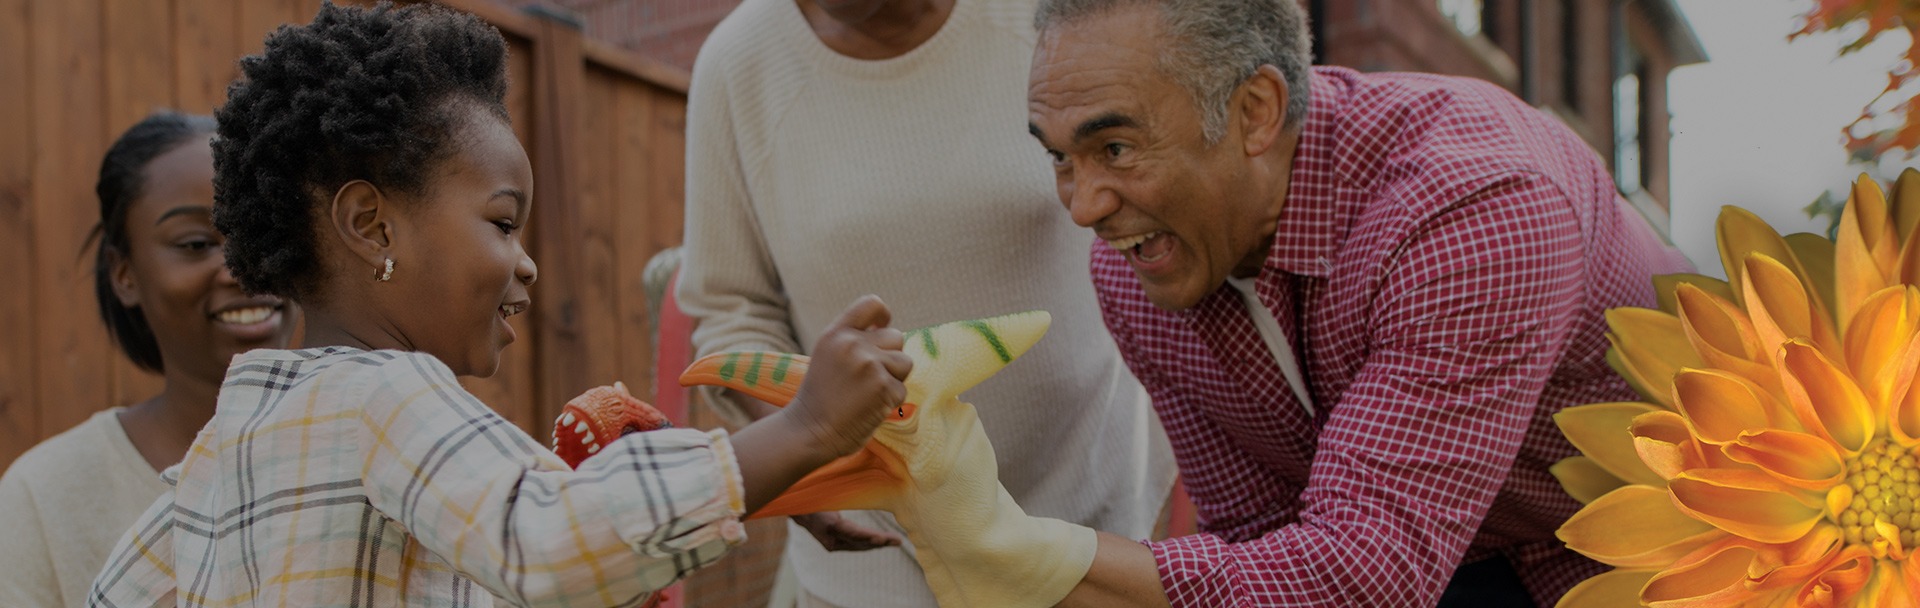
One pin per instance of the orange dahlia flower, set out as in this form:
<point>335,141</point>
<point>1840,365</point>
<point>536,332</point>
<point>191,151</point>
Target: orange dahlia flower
<point>1776,459</point>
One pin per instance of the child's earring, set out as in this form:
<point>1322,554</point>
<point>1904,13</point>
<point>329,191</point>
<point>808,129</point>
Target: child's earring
<point>387,275</point>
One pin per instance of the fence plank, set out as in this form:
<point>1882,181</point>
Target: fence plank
<point>559,341</point>
<point>598,284</point>
<point>72,349</point>
<point>19,412</point>
<point>633,152</point>
<point>206,52</point>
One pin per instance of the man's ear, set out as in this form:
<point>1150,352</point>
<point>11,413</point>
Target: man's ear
<point>362,218</point>
<point>1262,106</point>
<point>126,287</point>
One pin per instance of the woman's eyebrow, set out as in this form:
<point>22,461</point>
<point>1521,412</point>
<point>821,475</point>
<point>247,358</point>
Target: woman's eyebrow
<point>184,210</point>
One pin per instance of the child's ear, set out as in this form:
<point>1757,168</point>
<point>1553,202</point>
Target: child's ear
<point>362,217</point>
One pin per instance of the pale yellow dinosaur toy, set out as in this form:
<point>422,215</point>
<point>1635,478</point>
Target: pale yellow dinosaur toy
<point>930,464</point>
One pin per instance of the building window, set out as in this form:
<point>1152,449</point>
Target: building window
<point>1466,15</point>
<point>1629,124</point>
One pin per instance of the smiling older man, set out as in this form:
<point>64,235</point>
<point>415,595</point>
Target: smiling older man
<point>1357,300</point>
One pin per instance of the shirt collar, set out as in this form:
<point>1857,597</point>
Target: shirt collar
<point>1307,234</point>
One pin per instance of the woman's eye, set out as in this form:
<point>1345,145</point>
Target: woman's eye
<point>506,227</point>
<point>197,245</point>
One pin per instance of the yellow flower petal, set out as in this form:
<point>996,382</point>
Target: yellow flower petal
<point>1585,479</point>
<point>1826,400</point>
<point>1740,232</point>
<point>1789,566</point>
<point>1720,406</point>
<point>1665,284</point>
<point>1714,577</point>
<point>1880,333</point>
<point>1603,431</point>
<point>1905,203</point>
<point>1636,527</point>
<point>1839,582</point>
<point>1864,253</point>
<point>1797,459</point>
<point>1649,347</point>
<point>1747,504</point>
<point>1815,253</point>
<point>1611,589</point>
<point>1781,309</point>
<point>1664,444</point>
<point>1724,338</point>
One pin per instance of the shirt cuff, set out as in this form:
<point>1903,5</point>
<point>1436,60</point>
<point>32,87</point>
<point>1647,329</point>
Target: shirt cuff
<point>731,530</point>
<point>1197,570</point>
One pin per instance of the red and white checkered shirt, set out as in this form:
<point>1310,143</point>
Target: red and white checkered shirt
<point>1441,267</point>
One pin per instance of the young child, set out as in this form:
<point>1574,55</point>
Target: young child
<point>366,170</point>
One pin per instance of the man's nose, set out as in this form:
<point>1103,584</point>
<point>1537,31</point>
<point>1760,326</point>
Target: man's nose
<point>1090,199</point>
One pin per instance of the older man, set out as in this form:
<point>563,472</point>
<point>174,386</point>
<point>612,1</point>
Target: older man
<point>1356,299</point>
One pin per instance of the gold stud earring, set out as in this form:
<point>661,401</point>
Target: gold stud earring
<point>387,275</point>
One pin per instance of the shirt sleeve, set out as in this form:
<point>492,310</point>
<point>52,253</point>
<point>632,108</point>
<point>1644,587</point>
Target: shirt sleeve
<point>26,567</point>
<point>506,512</point>
<point>139,571</point>
<point>1470,323</point>
<point>728,281</point>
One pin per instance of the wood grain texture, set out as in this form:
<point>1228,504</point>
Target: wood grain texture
<point>74,362</point>
<point>19,407</point>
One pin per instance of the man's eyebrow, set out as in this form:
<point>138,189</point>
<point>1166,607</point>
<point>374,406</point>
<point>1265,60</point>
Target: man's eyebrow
<point>1110,120</point>
<point>184,210</point>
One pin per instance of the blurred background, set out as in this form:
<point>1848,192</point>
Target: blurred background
<point>1774,105</point>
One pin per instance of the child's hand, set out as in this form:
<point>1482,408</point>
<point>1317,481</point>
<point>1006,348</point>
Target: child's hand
<point>854,379</point>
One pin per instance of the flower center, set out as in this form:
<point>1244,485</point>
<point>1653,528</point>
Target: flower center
<point>1885,479</point>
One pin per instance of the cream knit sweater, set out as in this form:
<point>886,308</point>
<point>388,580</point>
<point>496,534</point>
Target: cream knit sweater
<point>813,178</point>
<point>66,503</point>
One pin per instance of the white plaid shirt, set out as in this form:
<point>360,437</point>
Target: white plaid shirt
<point>341,477</point>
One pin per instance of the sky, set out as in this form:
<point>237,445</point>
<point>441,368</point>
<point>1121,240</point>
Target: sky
<point>1759,125</point>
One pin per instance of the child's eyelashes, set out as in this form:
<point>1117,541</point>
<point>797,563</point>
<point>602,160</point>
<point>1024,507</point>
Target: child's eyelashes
<point>506,227</point>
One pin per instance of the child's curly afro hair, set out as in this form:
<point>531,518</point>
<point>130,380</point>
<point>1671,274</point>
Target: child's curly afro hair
<point>375,94</point>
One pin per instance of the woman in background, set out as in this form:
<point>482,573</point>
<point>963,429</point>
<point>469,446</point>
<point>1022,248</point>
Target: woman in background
<point>168,301</point>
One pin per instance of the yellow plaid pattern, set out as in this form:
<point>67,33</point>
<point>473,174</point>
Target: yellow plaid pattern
<point>341,477</point>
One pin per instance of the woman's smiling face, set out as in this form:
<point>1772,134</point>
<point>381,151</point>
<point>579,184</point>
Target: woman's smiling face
<point>460,264</point>
<point>175,273</point>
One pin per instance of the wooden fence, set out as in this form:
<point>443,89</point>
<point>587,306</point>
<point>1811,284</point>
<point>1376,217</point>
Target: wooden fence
<point>605,130</point>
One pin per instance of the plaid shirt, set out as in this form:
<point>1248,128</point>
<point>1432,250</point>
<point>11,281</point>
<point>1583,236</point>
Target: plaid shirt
<point>1440,267</point>
<point>341,477</point>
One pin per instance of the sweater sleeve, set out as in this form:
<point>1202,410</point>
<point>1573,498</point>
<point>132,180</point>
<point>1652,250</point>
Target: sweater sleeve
<point>728,281</point>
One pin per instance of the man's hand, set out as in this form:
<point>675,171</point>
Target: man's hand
<point>837,534</point>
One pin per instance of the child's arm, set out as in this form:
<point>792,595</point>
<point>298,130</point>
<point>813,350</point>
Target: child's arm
<point>648,509</point>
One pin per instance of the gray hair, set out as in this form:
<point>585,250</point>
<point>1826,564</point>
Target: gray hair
<point>1217,44</point>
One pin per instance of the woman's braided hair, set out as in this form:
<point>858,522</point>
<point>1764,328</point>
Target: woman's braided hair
<point>374,94</point>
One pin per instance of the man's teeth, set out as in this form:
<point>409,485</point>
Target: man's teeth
<point>245,316</point>
<point>1132,241</point>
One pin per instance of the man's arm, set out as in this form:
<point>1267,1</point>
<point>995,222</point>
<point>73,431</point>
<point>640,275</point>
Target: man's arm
<point>1467,330</point>
<point>1123,574</point>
